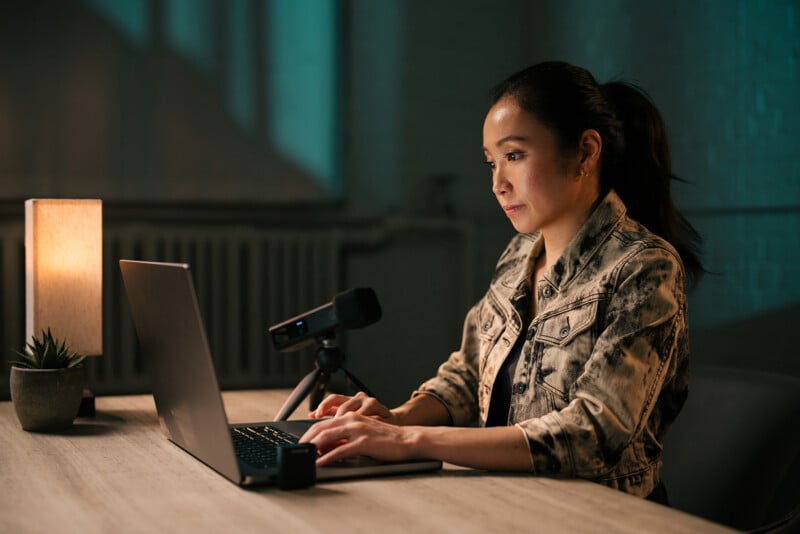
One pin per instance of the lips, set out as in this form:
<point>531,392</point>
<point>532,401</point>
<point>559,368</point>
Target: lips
<point>512,208</point>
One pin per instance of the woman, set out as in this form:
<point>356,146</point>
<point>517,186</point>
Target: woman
<point>575,361</point>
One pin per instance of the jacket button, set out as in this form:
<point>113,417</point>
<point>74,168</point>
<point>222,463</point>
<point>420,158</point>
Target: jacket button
<point>564,332</point>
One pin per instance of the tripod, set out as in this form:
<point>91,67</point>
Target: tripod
<point>329,361</point>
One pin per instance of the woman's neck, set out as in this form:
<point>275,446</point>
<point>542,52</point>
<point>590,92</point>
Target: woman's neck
<point>557,236</point>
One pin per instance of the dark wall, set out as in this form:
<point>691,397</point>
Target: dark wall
<point>83,113</point>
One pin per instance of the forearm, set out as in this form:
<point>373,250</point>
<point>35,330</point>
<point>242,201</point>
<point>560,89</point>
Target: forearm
<point>425,410</point>
<point>353,434</point>
<point>497,448</point>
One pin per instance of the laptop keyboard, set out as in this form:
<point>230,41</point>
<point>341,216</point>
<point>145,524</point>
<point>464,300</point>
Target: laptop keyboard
<point>258,446</point>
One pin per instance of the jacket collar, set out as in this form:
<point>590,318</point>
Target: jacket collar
<point>512,279</point>
<point>587,241</point>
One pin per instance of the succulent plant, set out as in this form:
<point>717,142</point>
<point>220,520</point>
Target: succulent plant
<point>47,353</point>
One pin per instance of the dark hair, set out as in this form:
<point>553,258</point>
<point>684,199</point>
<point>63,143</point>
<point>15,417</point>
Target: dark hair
<point>635,160</point>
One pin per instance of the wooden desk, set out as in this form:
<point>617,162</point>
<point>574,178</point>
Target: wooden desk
<point>117,473</point>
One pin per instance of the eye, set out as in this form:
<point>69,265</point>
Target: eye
<point>514,156</point>
<point>490,164</point>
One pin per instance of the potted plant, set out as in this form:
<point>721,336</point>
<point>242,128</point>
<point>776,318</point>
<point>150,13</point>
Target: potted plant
<point>46,384</point>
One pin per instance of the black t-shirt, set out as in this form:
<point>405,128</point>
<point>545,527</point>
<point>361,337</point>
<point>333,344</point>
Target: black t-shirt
<point>501,392</point>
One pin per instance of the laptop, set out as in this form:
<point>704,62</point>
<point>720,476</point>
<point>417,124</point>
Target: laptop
<point>177,357</point>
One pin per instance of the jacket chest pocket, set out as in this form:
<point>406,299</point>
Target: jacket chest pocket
<point>567,340</point>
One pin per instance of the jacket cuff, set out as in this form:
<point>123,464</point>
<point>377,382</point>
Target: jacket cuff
<point>548,445</point>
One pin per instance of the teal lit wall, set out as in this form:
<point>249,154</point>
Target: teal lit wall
<point>299,50</point>
<point>129,17</point>
<point>726,76</point>
<point>303,72</point>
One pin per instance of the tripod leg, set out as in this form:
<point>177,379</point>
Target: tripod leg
<point>356,382</point>
<point>298,394</point>
<point>320,387</point>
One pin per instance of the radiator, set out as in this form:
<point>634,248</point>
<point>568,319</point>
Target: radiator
<point>247,279</point>
<point>12,304</point>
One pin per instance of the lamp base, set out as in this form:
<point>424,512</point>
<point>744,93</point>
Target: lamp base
<point>87,404</point>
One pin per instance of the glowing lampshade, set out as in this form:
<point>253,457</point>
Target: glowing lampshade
<point>64,271</point>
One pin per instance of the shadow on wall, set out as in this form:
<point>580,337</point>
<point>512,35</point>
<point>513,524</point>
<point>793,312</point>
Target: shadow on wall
<point>83,112</point>
<point>769,342</point>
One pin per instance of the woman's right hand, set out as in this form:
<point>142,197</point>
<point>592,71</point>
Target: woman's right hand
<point>337,405</point>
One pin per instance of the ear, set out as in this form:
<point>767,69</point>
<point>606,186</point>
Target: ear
<point>589,149</point>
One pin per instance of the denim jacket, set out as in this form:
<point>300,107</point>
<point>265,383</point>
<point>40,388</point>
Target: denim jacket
<point>603,370</point>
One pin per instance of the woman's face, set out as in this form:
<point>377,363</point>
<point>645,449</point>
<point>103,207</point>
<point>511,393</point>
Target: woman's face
<point>534,183</point>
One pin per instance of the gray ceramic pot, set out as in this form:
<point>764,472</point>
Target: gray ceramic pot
<point>46,399</point>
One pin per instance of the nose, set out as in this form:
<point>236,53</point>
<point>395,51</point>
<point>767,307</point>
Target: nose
<point>500,185</point>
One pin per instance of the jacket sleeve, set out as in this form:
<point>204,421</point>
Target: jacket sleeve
<point>614,395</point>
<point>456,382</point>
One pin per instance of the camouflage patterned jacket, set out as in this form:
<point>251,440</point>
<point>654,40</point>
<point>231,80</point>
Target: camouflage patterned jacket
<point>604,367</point>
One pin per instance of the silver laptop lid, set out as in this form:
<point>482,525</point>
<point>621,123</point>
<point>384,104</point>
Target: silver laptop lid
<point>177,356</point>
<point>174,345</point>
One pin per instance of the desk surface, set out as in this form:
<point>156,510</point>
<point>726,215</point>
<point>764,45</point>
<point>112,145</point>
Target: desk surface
<point>117,473</point>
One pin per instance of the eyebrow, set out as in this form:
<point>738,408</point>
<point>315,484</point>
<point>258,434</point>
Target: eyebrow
<point>506,139</point>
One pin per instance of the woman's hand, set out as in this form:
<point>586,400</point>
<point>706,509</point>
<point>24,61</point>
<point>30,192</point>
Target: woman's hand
<point>360,403</point>
<point>353,434</point>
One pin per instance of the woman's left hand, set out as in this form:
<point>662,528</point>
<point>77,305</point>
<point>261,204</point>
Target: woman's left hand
<point>353,434</point>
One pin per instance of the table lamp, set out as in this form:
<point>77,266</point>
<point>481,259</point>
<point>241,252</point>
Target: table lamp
<point>64,275</point>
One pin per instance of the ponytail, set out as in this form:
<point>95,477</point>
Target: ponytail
<point>640,171</point>
<point>635,161</point>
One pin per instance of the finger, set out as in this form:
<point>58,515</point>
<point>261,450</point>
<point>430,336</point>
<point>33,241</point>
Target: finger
<point>329,405</point>
<point>331,402</point>
<point>329,433</point>
<point>335,450</point>
<point>347,449</point>
<point>370,406</point>
<point>314,430</point>
<point>353,404</point>
<point>317,428</point>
